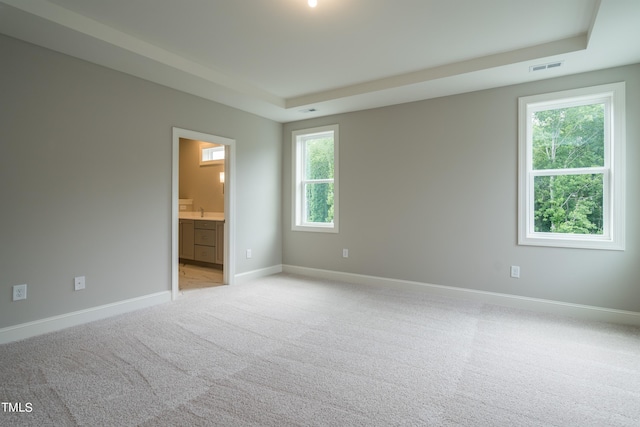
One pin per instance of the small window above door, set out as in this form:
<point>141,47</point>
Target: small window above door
<point>211,154</point>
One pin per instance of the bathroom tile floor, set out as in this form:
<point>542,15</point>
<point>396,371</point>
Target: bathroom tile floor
<point>196,277</point>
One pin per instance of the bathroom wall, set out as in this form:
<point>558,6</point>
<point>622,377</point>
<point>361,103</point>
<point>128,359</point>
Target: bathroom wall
<point>199,182</point>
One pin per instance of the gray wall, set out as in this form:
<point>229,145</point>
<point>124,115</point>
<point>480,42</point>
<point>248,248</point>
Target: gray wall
<point>428,193</point>
<point>428,190</point>
<point>85,181</point>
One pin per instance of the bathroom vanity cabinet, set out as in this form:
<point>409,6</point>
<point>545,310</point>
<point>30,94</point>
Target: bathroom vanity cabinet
<point>219,242</point>
<point>202,240</point>
<point>185,241</point>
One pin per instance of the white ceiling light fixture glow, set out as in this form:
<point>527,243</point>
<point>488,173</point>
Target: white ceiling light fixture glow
<point>313,3</point>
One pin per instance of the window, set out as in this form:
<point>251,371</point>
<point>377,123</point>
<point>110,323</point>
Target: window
<point>315,180</point>
<point>571,170</point>
<point>211,154</point>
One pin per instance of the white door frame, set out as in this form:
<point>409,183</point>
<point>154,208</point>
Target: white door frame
<point>229,203</point>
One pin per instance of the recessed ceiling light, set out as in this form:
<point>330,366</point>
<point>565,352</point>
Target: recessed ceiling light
<point>313,3</point>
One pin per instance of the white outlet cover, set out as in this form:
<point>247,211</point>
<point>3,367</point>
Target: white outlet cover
<point>19,292</point>
<point>515,271</point>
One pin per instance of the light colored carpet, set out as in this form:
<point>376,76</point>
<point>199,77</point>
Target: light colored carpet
<point>291,351</point>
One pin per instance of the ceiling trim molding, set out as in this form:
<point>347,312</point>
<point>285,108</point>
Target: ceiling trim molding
<point>594,17</point>
<point>559,47</point>
<point>602,43</point>
<point>94,29</point>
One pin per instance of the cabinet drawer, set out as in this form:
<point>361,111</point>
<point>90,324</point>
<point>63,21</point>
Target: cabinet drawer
<point>205,253</point>
<point>205,237</point>
<point>205,225</point>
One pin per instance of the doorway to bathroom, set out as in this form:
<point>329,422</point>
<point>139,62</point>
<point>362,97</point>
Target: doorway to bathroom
<point>202,229</point>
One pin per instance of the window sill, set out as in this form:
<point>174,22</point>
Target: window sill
<point>333,228</point>
<point>556,240</point>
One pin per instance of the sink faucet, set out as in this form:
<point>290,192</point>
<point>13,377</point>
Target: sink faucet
<point>201,212</point>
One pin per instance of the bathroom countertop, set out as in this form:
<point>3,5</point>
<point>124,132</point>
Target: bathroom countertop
<point>208,216</point>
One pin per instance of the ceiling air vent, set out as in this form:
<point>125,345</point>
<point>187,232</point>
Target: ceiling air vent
<point>550,65</point>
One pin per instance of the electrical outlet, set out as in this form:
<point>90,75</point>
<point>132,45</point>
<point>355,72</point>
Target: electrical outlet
<point>79,283</point>
<point>249,254</point>
<point>19,292</point>
<point>515,271</point>
<point>345,253</point>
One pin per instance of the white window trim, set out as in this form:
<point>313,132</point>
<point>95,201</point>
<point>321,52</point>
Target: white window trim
<point>298,197</point>
<point>614,177</point>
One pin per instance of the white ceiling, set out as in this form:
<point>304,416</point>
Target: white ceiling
<point>276,58</point>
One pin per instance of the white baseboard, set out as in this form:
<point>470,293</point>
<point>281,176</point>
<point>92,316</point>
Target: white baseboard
<point>585,312</point>
<point>256,274</point>
<point>55,323</point>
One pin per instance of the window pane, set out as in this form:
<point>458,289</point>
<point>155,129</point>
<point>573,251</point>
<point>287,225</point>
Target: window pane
<point>569,204</point>
<point>212,153</point>
<point>319,202</point>
<point>570,137</point>
<point>319,157</point>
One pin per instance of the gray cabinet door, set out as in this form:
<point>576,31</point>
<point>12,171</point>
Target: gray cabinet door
<point>186,239</point>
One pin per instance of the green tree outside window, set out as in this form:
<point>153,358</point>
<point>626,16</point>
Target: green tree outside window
<point>319,155</point>
<point>565,139</point>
